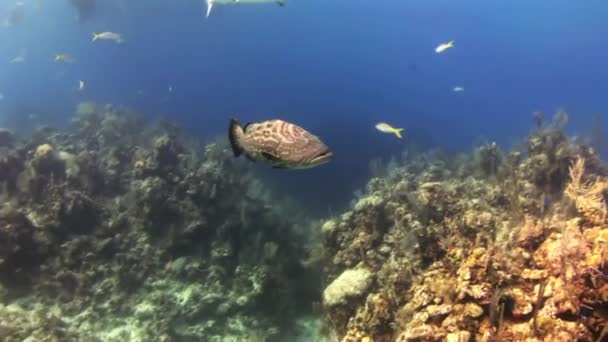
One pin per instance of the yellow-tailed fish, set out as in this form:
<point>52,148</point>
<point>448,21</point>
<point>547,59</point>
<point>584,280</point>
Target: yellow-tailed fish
<point>458,89</point>
<point>386,128</point>
<point>80,85</point>
<point>442,47</point>
<point>279,143</point>
<point>62,57</point>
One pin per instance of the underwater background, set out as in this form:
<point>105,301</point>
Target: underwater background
<point>124,215</point>
<point>336,68</point>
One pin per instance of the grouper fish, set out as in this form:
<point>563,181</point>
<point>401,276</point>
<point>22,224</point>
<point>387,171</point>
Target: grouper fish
<point>279,143</point>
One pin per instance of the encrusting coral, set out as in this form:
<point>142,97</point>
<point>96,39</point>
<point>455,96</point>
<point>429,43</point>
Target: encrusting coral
<point>121,231</point>
<point>513,252</point>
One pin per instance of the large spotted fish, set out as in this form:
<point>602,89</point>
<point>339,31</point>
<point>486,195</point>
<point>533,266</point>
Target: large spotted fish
<point>280,143</point>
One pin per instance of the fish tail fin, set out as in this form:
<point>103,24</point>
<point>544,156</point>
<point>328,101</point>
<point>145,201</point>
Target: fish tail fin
<point>398,133</point>
<point>235,134</point>
<point>95,37</point>
<point>209,7</point>
<point>451,43</point>
<point>281,2</point>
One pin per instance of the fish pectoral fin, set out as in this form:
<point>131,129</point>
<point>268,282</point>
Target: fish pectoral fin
<point>270,157</point>
<point>274,160</point>
<point>235,133</point>
<point>245,126</point>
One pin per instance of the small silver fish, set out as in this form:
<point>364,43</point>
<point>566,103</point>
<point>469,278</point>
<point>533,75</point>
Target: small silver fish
<point>210,3</point>
<point>117,37</point>
<point>17,60</point>
<point>280,143</point>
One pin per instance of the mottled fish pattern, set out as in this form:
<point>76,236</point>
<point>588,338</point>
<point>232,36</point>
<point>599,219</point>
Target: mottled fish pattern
<point>280,143</point>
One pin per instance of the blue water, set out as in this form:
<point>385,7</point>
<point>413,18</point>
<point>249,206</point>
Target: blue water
<point>334,67</point>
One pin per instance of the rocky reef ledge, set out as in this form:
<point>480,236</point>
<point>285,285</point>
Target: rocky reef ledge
<point>487,246</point>
<point>118,230</point>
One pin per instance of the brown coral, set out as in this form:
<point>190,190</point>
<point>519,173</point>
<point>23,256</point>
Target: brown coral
<point>588,196</point>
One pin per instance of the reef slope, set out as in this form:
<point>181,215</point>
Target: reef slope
<point>487,246</point>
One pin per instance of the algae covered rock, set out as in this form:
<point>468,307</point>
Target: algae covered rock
<point>350,284</point>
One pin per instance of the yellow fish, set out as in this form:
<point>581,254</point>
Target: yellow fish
<point>386,128</point>
<point>444,46</point>
<point>61,57</point>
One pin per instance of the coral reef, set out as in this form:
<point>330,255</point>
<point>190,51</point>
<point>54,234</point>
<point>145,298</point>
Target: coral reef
<point>486,247</point>
<point>122,231</point>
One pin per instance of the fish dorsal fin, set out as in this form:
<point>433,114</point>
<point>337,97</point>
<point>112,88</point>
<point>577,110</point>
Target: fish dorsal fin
<point>245,126</point>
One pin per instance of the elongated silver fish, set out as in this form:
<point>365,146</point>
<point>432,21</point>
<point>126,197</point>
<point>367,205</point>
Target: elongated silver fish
<point>210,3</point>
<point>280,143</point>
